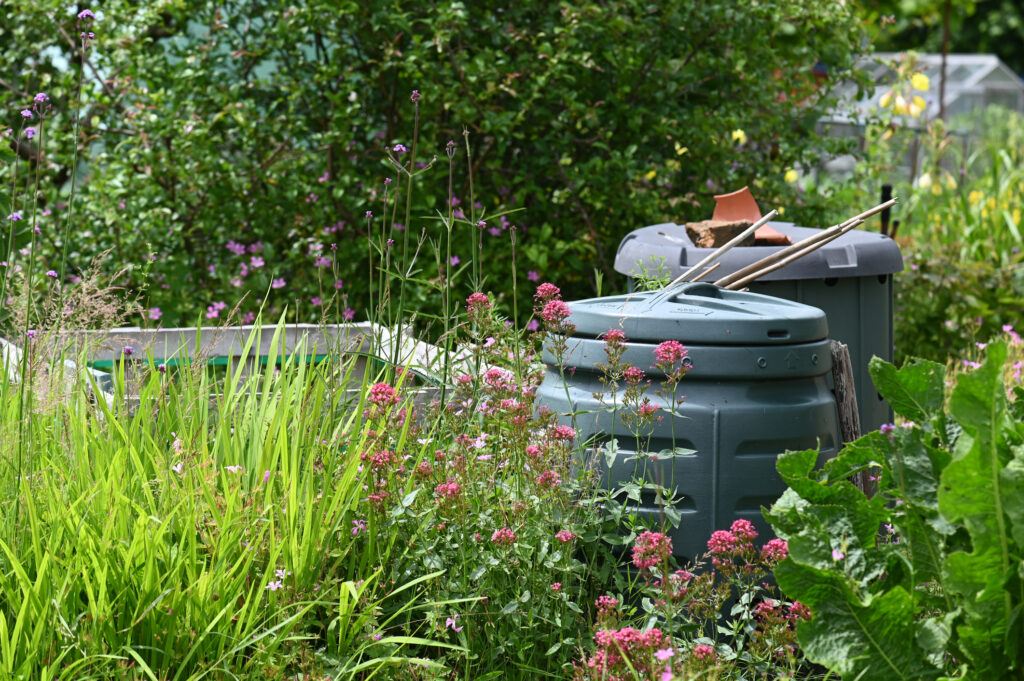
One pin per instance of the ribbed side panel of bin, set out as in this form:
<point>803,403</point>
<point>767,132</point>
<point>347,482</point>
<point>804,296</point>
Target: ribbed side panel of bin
<point>756,386</point>
<point>850,279</point>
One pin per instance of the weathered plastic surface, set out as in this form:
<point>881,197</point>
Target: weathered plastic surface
<point>850,279</point>
<point>746,402</point>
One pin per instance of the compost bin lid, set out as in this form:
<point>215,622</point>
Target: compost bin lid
<point>855,254</point>
<point>700,314</point>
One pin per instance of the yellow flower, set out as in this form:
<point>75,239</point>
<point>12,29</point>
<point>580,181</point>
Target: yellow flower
<point>782,210</point>
<point>739,136</point>
<point>948,180</point>
<point>936,189</point>
<point>651,174</point>
<point>900,107</point>
<point>1016,216</point>
<point>924,181</point>
<point>680,150</point>
<point>886,99</point>
<point>790,176</point>
<point>917,105</point>
<point>919,81</point>
<point>974,197</point>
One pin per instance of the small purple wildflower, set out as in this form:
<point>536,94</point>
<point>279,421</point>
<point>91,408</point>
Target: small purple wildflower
<point>52,274</point>
<point>30,132</point>
<point>162,368</point>
<point>40,98</point>
<point>234,469</point>
<point>128,351</point>
<point>339,283</point>
<point>275,585</point>
<point>15,216</point>
<point>266,476</point>
<point>86,14</point>
<point>155,313</point>
<point>837,554</point>
<point>358,526</point>
<point>400,148</point>
<point>348,314</point>
<point>277,283</point>
<point>415,96</point>
<point>25,113</point>
<point>454,260</point>
<point>452,623</point>
<point>369,213</point>
<point>31,333</point>
<point>256,261</point>
<point>316,301</point>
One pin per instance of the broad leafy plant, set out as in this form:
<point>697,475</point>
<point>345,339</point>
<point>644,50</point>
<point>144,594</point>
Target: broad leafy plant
<point>924,579</point>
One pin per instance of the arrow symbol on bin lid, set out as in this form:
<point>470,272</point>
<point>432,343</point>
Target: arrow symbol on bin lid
<point>791,359</point>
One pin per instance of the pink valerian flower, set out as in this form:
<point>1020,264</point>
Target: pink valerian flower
<point>556,587</point>
<point>670,352</point>
<point>744,530</point>
<point>497,379</point>
<point>664,654</point>
<point>561,433</point>
<point>614,337</point>
<point>647,409</point>
<point>382,395</point>
<point>626,653</point>
<point>503,537</point>
<point>722,542</point>
<point>634,375</point>
<point>546,292</point>
<point>774,551</point>
<point>549,479</point>
<point>650,549</point>
<point>478,303</point>
<point>447,490</point>
<point>533,451</point>
<point>704,652</point>
<point>424,469</point>
<point>671,360</point>
<point>606,606</point>
<point>799,611</point>
<point>565,536</point>
<point>555,311</point>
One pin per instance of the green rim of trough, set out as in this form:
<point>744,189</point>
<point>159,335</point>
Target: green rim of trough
<point>213,361</point>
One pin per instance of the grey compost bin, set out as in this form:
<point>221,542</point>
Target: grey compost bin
<point>850,279</point>
<point>755,388</point>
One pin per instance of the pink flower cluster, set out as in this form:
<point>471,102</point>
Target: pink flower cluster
<point>549,479</point>
<point>503,537</point>
<point>670,352</point>
<point>774,551</point>
<point>614,337</point>
<point>651,548</point>
<point>498,379</point>
<point>555,311</point>
<point>383,395</point>
<point>606,606</point>
<point>565,536</point>
<point>478,302</point>
<point>722,541</point>
<point>626,653</point>
<point>562,433</point>
<point>447,490</point>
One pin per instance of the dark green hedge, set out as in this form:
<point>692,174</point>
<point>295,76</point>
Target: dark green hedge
<point>267,122</point>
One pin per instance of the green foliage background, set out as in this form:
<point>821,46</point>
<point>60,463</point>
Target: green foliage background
<point>210,121</point>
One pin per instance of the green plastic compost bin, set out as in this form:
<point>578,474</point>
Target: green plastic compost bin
<point>850,279</point>
<point>756,387</point>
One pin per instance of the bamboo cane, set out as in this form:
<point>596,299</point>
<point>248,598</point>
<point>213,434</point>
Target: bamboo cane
<point>829,233</point>
<point>795,256</point>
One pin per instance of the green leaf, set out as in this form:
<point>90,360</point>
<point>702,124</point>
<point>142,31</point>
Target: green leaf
<point>870,639</point>
<point>915,392</point>
<point>971,492</point>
